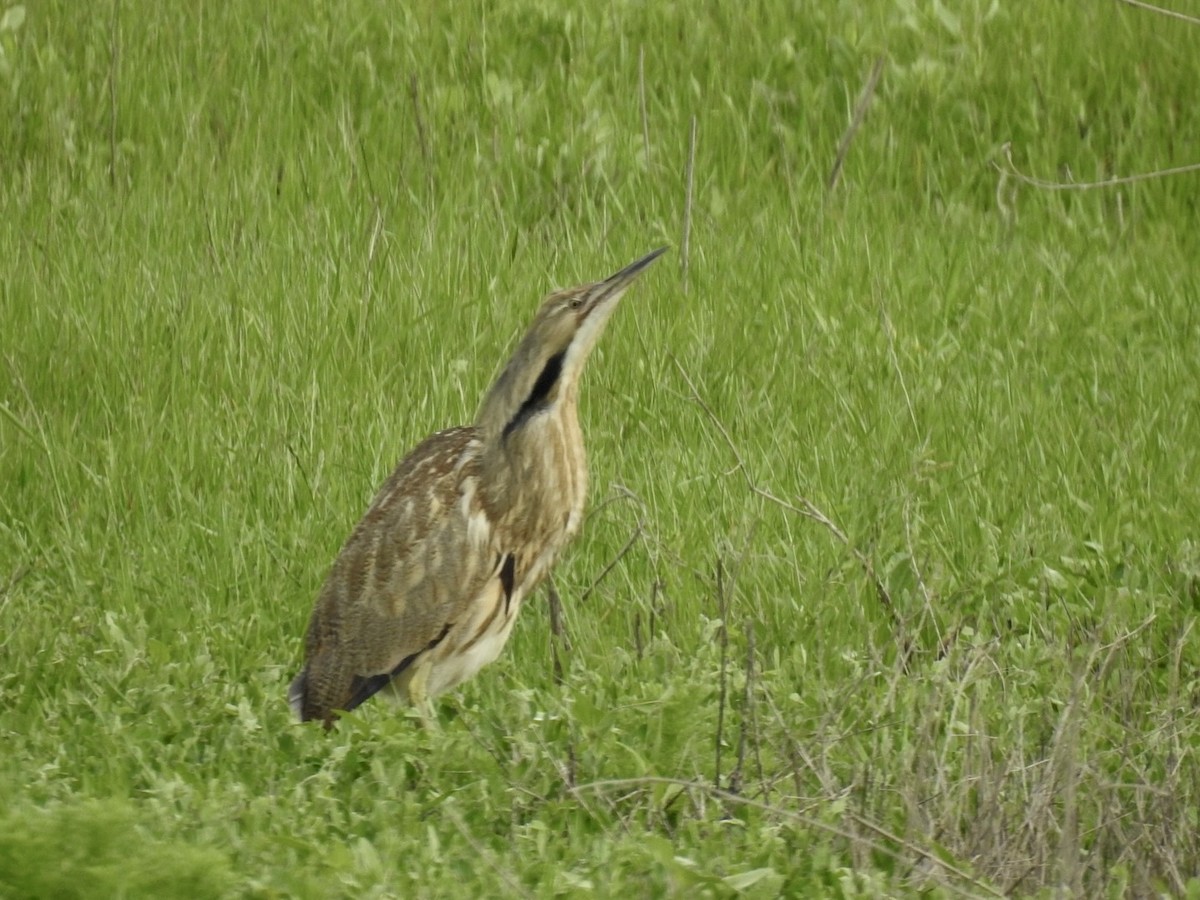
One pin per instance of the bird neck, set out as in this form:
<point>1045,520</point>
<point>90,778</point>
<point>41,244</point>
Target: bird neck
<point>537,469</point>
<point>534,382</point>
<point>532,461</point>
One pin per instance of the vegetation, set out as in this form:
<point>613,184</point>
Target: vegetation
<point>892,570</point>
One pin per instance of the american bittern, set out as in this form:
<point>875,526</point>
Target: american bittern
<point>427,587</point>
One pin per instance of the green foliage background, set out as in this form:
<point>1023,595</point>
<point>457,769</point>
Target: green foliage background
<point>252,253</point>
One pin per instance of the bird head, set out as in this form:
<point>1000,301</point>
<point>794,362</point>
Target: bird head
<point>550,357</point>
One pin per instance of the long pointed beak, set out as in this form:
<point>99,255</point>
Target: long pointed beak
<point>613,287</point>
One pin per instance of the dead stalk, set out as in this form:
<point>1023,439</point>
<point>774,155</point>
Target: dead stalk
<point>685,243</point>
<point>885,843</point>
<point>856,120</point>
<point>642,98</point>
<point>1170,13</point>
<point>807,509</point>
<point>114,66</point>
<point>559,642</point>
<point>723,637</point>
<point>633,539</point>
<point>1009,169</point>
<point>414,93</point>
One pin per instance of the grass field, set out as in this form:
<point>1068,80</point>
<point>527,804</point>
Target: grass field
<point>253,252</point>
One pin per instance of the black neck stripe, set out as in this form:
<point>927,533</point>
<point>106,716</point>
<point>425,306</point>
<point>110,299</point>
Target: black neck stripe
<point>539,396</point>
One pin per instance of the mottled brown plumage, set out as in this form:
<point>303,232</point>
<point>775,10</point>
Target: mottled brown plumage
<point>427,588</point>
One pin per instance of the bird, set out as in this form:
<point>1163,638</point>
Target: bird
<point>426,589</point>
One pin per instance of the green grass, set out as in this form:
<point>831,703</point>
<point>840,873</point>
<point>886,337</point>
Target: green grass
<point>252,255</point>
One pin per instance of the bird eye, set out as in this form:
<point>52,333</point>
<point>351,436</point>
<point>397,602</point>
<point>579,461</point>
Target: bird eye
<point>575,302</point>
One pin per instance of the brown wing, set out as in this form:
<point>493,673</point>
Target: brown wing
<point>414,563</point>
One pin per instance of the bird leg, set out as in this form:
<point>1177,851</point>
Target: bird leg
<point>419,698</point>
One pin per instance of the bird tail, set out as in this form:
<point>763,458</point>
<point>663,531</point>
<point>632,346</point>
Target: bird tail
<point>296,692</point>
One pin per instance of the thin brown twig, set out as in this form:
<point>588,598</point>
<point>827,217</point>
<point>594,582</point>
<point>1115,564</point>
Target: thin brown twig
<point>685,244</point>
<point>796,752</point>
<point>927,612</point>
<point>1010,170</point>
<point>723,636</point>
<point>856,120</point>
<point>114,65</point>
<point>414,93</point>
<point>655,592</point>
<point>735,777</point>
<point>619,493</point>
<point>612,564</point>
<point>730,797</point>
<point>726,588</point>
<point>1170,13</point>
<point>558,632</point>
<point>642,98</point>
<point>807,509</point>
<point>483,852</point>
